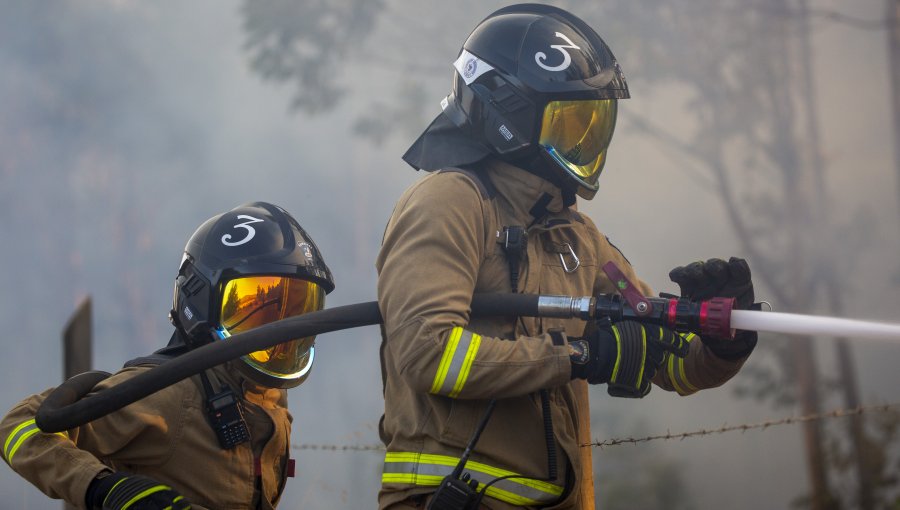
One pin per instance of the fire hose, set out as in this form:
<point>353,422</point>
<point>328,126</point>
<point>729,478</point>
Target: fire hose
<point>68,407</point>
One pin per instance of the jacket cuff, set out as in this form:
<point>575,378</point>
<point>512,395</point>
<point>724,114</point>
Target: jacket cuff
<point>736,349</point>
<point>83,482</point>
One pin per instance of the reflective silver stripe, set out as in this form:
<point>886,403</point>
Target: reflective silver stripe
<point>18,435</point>
<point>428,470</point>
<point>462,345</point>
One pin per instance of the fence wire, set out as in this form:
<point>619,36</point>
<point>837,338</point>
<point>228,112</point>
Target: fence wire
<point>835,413</point>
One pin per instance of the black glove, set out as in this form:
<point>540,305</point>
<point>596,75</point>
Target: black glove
<point>618,355</point>
<point>120,490</point>
<point>716,278</point>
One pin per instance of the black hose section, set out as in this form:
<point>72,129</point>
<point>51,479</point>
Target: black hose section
<point>73,389</point>
<point>62,410</point>
<point>52,417</point>
<point>505,304</point>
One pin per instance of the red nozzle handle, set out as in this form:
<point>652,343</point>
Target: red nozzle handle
<point>715,318</point>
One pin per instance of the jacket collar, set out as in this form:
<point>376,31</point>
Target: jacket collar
<point>522,189</point>
<point>252,392</point>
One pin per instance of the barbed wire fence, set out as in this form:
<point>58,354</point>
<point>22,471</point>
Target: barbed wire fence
<point>835,413</point>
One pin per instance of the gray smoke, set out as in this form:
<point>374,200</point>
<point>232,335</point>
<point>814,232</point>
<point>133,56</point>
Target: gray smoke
<point>124,125</point>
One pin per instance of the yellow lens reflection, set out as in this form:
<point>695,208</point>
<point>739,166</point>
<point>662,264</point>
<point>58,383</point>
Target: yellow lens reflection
<point>577,134</point>
<point>250,302</point>
<point>253,301</point>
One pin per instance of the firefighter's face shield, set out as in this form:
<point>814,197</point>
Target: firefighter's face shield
<point>252,301</point>
<point>576,135</point>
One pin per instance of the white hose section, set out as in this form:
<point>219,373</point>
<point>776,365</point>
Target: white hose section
<point>796,324</point>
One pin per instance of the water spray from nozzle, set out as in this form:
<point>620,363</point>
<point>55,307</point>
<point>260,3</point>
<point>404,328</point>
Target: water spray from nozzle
<point>796,324</point>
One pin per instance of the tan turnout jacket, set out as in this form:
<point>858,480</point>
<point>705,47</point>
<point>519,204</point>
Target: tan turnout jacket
<point>164,436</point>
<point>440,366</point>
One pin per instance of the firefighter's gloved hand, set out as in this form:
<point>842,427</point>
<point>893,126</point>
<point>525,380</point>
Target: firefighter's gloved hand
<point>700,281</point>
<point>624,355</point>
<point>121,491</point>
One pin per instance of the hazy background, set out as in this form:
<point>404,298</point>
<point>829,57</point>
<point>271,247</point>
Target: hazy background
<point>760,129</point>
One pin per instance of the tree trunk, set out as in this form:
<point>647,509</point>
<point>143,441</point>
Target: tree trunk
<point>825,262</point>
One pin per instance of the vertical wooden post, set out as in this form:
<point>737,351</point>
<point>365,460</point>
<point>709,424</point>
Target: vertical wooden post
<point>588,501</point>
<point>77,349</point>
<point>77,341</point>
<point>808,394</point>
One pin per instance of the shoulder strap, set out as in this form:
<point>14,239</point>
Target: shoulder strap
<point>175,348</point>
<point>152,359</point>
<point>157,358</point>
<point>479,177</point>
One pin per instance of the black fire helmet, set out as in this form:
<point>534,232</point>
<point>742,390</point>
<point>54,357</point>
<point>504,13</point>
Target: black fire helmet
<point>530,80</point>
<point>244,268</point>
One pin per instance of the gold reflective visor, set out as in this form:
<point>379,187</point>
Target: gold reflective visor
<point>577,133</point>
<point>253,301</point>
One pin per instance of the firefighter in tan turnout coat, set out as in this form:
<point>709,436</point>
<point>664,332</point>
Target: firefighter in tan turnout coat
<point>524,130</point>
<point>218,440</point>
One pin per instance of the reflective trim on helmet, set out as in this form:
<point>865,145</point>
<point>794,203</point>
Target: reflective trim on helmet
<point>456,362</point>
<point>18,436</point>
<point>427,470</point>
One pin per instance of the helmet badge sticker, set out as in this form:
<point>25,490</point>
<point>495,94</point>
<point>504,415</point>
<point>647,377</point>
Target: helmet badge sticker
<point>540,56</point>
<point>304,248</point>
<point>506,132</point>
<point>226,239</point>
<point>471,67</point>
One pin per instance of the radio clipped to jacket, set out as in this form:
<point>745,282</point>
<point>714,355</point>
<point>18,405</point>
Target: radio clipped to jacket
<point>227,419</point>
<point>225,415</point>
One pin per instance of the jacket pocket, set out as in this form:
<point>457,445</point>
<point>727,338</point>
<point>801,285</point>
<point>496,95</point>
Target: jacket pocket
<point>458,428</point>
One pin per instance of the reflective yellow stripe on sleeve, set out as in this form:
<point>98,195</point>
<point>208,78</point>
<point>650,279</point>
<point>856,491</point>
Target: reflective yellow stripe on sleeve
<point>456,362</point>
<point>428,470</point>
<point>19,435</point>
<point>675,370</point>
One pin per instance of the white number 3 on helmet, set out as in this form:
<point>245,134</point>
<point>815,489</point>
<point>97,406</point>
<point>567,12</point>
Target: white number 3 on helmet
<point>226,239</point>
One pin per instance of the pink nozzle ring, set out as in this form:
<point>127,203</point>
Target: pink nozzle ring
<point>715,318</point>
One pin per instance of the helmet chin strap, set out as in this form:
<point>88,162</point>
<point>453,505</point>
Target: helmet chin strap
<point>535,162</point>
